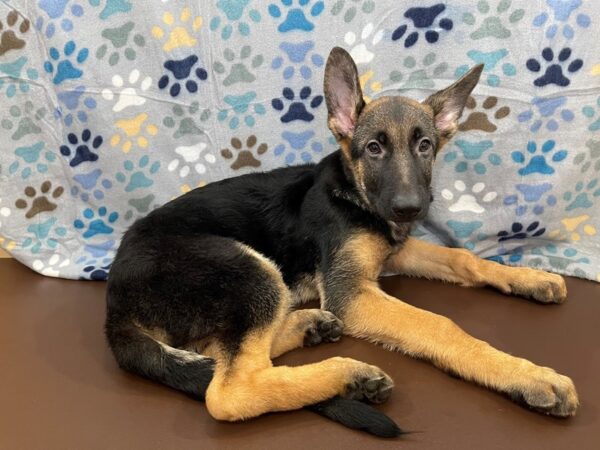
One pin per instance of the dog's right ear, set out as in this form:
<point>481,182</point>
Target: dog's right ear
<point>342,94</point>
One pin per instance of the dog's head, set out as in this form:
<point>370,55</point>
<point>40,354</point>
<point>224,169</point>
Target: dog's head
<point>389,145</point>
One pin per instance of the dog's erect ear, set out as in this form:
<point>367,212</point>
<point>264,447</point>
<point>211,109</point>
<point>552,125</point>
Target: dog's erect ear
<point>342,94</point>
<point>448,104</point>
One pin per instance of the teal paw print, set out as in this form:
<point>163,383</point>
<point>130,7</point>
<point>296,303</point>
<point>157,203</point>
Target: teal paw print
<point>582,196</point>
<point>418,75</point>
<point>95,223</point>
<point>349,8</point>
<point>591,112</point>
<point>44,235</point>
<point>464,232</point>
<point>31,159</point>
<point>111,7</point>
<point>184,121</point>
<point>238,69</point>
<point>23,120</point>
<point>235,11</point>
<point>137,177</point>
<point>490,60</point>
<point>118,38</point>
<point>535,159</point>
<point>493,23</point>
<point>140,207</point>
<point>472,155</point>
<point>65,69</point>
<point>589,158</point>
<point>560,260</point>
<point>242,108</point>
<point>12,78</point>
<point>295,17</point>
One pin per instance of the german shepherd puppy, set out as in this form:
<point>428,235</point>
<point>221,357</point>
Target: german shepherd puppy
<point>201,292</point>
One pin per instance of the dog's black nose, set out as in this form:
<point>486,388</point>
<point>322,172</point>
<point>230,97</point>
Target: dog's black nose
<point>406,208</point>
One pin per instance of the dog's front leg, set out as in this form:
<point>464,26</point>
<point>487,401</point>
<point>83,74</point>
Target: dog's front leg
<point>422,259</point>
<point>352,293</point>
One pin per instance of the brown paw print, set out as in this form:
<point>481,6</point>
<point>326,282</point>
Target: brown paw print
<point>245,157</point>
<point>40,203</point>
<point>479,120</point>
<point>8,38</point>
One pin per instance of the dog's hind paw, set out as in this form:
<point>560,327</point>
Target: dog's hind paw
<point>374,386</point>
<point>325,328</point>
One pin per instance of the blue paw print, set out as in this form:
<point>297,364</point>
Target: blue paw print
<point>490,60</point>
<point>234,11</point>
<point>181,70</point>
<point>55,10</point>
<point>298,144</point>
<point>12,78</point>
<point>582,195</point>
<point>79,151</point>
<point>464,230</point>
<point>505,256</point>
<point>553,73</point>
<point>111,7</point>
<point>96,223</point>
<point>537,162</point>
<point>95,273</point>
<point>138,179</point>
<point>241,106</point>
<point>64,69</point>
<point>544,110</point>
<point>297,55</point>
<point>590,113</point>
<point>562,13</point>
<point>295,18</point>
<point>90,183</point>
<point>30,158</point>
<point>518,231</point>
<point>559,260</point>
<point>45,234</point>
<point>75,102</point>
<point>297,109</point>
<point>472,153</point>
<point>423,19</point>
<point>531,195</point>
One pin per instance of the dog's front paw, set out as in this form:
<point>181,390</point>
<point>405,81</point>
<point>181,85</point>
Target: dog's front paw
<point>549,392</point>
<point>324,328</point>
<point>370,384</point>
<point>541,286</point>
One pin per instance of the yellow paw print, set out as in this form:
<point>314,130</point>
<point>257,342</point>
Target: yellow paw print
<point>132,131</point>
<point>185,188</point>
<point>596,69</point>
<point>7,244</point>
<point>572,227</point>
<point>178,36</point>
<point>368,86</point>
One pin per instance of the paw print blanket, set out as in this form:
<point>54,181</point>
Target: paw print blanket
<point>110,108</point>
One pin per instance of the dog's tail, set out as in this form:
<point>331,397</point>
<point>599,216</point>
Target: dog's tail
<point>358,416</point>
<point>191,373</point>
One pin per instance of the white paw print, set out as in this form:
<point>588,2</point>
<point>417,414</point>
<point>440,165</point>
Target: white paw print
<point>360,53</point>
<point>127,96</point>
<point>4,212</point>
<point>52,267</point>
<point>191,157</point>
<point>468,202</point>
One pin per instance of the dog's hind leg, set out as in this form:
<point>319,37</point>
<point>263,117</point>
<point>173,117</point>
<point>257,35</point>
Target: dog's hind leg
<point>418,258</point>
<point>305,328</point>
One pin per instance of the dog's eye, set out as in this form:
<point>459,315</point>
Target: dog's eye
<point>374,148</point>
<point>424,145</point>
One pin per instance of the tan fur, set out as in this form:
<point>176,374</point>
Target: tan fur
<point>293,330</point>
<point>418,258</point>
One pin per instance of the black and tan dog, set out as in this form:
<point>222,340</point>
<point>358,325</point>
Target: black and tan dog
<point>201,292</point>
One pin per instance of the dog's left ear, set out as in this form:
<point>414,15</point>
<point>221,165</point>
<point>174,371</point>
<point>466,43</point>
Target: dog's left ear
<point>448,104</point>
<point>343,94</point>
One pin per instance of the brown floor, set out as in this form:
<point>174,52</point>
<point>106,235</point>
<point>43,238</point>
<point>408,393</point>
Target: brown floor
<point>61,389</point>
